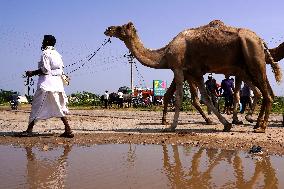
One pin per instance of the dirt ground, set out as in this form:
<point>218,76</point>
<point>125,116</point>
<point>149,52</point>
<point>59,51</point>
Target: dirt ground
<point>93,127</point>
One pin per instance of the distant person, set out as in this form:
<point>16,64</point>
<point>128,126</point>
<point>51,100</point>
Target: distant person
<point>120,99</point>
<point>150,98</point>
<point>212,90</point>
<point>49,99</point>
<point>106,99</point>
<point>227,86</point>
<point>14,101</point>
<point>159,100</point>
<point>245,98</point>
<point>140,94</point>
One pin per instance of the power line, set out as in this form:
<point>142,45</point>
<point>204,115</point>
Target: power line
<point>88,58</point>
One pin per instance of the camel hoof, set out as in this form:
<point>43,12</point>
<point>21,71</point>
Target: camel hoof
<point>172,128</point>
<point>237,122</point>
<point>260,125</point>
<point>248,118</point>
<point>256,127</point>
<point>227,127</point>
<point>209,122</point>
<point>259,130</point>
<point>164,122</point>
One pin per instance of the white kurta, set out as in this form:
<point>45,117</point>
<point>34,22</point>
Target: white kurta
<point>50,99</point>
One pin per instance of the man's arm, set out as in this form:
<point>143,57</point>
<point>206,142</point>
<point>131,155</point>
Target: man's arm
<point>33,73</point>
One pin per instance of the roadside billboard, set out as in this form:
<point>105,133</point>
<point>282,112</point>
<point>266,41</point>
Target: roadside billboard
<point>159,87</point>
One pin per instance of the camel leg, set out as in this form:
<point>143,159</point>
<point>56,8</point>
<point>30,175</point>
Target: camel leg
<point>208,102</point>
<point>260,115</point>
<point>178,78</point>
<point>195,102</point>
<point>265,109</point>
<point>262,119</point>
<point>169,93</point>
<point>257,96</point>
<point>236,101</point>
<point>256,62</point>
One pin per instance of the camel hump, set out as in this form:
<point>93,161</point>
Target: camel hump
<point>216,23</point>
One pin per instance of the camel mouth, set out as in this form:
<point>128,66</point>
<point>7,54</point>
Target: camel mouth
<point>109,32</point>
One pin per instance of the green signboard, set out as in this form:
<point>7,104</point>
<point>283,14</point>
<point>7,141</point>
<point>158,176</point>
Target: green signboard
<point>159,87</point>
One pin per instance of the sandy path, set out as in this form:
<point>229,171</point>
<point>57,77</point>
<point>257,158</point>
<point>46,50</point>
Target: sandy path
<point>143,127</point>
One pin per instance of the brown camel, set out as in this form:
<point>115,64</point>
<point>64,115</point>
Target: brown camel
<point>277,55</point>
<point>213,48</point>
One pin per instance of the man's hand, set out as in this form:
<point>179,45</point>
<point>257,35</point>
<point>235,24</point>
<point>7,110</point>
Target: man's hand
<point>32,73</point>
<point>29,73</point>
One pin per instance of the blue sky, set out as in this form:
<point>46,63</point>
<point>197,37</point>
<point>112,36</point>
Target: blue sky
<point>79,26</point>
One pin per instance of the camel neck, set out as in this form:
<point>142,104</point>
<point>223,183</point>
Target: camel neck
<point>147,57</point>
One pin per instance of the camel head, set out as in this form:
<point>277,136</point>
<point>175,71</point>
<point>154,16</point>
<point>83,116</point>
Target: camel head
<point>122,32</point>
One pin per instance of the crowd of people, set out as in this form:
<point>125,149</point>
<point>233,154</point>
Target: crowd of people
<point>124,98</point>
<point>226,91</point>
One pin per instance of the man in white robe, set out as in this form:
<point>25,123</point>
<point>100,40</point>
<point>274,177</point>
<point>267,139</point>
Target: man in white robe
<point>49,99</point>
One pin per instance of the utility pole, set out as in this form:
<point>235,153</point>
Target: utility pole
<point>130,59</point>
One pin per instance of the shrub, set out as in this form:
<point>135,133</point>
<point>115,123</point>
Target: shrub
<point>84,99</point>
<point>5,96</point>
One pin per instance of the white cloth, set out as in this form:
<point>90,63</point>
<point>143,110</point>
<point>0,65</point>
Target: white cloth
<point>50,99</point>
<point>106,96</point>
<point>47,104</point>
<point>51,65</point>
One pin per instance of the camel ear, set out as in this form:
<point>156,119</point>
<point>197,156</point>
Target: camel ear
<point>130,24</point>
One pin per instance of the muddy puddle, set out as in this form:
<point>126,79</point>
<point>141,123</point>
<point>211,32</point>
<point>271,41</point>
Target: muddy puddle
<point>136,166</point>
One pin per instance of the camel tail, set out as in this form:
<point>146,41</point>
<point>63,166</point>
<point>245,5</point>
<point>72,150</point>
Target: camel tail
<point>275,67</point>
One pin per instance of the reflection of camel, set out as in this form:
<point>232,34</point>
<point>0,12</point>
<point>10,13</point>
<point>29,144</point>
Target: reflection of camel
<point>277,55</point>
<point>42,173</point>
<point>211,48</point>
<point>261,167</point>
<point>201,176</point>
<point>131,156</point>
<point>194,178</point>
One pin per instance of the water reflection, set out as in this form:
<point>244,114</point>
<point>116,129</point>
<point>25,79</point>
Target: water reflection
<point>181,176</point>
<point>263,168</point>
<point>131,155</point>
<point>136,166</point>
<point>46,172</point>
